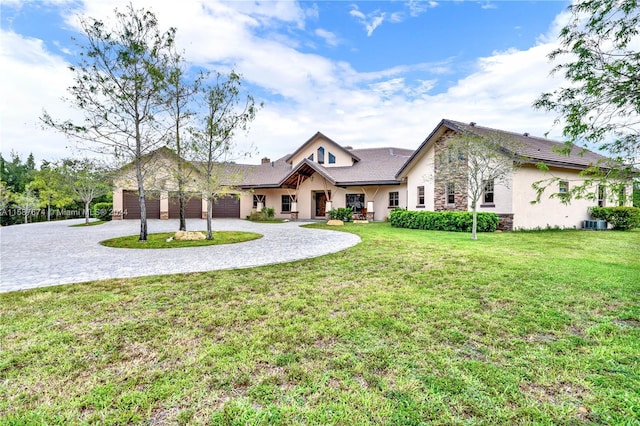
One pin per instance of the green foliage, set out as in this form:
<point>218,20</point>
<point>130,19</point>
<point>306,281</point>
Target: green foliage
<point>15,174</point>
<point>598,56</point>
<point>622,218</point>
<point>102,211</point>
<point>443,221</point>
<point>266,215</point>
<point>341,213</point>
<point>52,187</point>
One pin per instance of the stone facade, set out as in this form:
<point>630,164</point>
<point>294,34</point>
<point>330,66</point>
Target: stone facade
<point>455,174</point>
<point>505,222</point>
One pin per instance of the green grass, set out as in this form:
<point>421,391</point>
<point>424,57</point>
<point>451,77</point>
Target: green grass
<point>270,220</point>
<point>159,240</point>
<point>406,328</point>
<point>93,223</point>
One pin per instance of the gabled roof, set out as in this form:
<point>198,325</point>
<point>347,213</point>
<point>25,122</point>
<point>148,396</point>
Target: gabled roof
<point>533,149</point>
<point>376,166</point>
<point>313,138</point>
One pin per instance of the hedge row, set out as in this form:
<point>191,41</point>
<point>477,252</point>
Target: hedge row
<point>619,217</point>
<point>443,221</point>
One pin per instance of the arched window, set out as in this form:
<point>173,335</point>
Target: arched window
<point>321,155</point>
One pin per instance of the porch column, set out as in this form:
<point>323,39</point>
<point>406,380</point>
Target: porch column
<point>164,205</point>
<point>118,207</point>
<point>370,212</point>
<point>328,206</point>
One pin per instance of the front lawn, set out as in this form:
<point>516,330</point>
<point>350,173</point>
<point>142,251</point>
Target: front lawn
<point>407,328</point>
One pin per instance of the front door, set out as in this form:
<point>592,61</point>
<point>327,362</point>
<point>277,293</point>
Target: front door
<point>321,203</point>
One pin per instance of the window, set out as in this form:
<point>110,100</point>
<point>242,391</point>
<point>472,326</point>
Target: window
<point>321,155</point>
<point>450,190</point>
<point>563,187</point>
<point>488,191</point>
<point>332,159</point>
<point>259,199</point>
<point>421,195</point>
<point>455,154</point>
<point>310,157</point>
<point>601,195</point>
<point>394,199</point>
<point>356,201</point>
<point>286,203</point>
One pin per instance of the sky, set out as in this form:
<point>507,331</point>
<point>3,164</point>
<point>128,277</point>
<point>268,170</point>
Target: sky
<point>364,73</point>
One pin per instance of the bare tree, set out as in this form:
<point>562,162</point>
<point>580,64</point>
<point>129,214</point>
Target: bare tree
<point>212,143</point>
<point>119,86</point>
<point>181,94</point>
<point>475,165</point>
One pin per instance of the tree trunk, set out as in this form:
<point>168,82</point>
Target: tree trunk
<point>86,212</point>
<point>183,220</point>
<point>143,216</point>
<point>474,226</point>
<point>142,201</point>
<point>183,202</point>
<point>209,216</point>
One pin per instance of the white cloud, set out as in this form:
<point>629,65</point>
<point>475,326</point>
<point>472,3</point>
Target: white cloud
<point>370,21</point>
<point>388,107</point>
<point>32,80</point>
<point>418,7</point>
<point>488,5</point>
<point>330,38</point>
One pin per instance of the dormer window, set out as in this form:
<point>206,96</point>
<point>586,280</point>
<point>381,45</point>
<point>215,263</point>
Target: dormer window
<point>332,159</point>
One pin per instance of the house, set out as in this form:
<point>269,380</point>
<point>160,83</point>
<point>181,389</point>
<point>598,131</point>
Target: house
<point>512,199</point>
<point>318,176</point>
<point>322,175</point>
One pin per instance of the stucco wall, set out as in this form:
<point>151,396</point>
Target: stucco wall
<point>549,211</point>
<point>421,174</point>
<point>502,198</point>
<point>342,158</point>
<point>309,189</point>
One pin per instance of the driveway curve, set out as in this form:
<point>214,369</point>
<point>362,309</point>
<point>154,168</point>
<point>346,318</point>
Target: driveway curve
<point>52,253</point>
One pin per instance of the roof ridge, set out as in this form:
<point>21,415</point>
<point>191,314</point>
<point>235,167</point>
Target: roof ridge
<point>511,132</point>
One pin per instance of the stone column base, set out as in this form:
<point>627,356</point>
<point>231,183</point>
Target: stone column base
<point>370,216</point>
<point>505,222</point>
<point>294,215</point>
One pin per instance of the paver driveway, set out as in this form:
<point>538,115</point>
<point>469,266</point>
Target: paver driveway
<point>51,253</point>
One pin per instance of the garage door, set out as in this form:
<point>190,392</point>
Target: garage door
<point>226,207</point>
<point>193,209</point>
<point>132,205</point>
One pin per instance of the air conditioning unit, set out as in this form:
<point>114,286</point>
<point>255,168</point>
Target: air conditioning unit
<point>597,225</point>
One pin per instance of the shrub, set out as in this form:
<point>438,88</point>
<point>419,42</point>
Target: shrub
<point>342,213</point>
<point>102,211</point>
<point>267,214</point>
<point>621,218</point>
<point>443,221</point>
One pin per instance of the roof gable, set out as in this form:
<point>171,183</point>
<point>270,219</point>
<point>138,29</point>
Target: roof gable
<point>318,136</point>
<point>534,149</point>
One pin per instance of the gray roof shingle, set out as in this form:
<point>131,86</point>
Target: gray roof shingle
<point>535,148</point>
